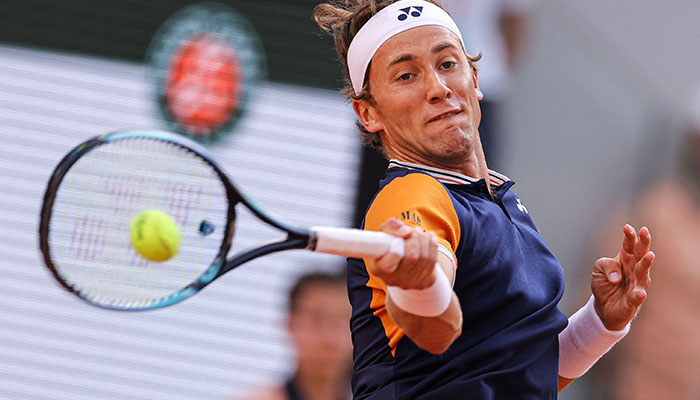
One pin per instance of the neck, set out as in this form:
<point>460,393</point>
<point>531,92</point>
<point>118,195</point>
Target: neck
<point>473,165</point>
<point>478,165</point>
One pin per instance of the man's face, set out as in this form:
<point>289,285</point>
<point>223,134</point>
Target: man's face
<point>426,98</point>
<point>319,326</point>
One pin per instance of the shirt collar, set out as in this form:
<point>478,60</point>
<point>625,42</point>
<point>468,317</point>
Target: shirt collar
<point>450,177</point>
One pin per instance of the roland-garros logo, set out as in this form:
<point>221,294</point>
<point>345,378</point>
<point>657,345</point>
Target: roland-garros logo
<point>205,59</point>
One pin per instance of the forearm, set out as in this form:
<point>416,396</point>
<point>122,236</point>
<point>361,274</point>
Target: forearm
<point>432,334</point>
<point>583,342</point>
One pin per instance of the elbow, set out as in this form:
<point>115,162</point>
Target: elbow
<point>441,346</point>
<point>437,348</point>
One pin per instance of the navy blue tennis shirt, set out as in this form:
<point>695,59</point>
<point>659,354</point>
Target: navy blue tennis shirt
<point>507,280</point>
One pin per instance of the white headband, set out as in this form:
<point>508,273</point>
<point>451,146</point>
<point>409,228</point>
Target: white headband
<point>388,22</point>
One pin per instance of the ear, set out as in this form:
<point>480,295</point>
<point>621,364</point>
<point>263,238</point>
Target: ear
<point>368,115</point>
<point>475,78</point>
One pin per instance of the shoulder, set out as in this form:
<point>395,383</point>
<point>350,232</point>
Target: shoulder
<point>417,199</point>
<point>412,188</point>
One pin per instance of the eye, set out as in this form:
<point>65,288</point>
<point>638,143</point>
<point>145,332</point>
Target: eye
<point>447,65</point>
<point>405,77</point>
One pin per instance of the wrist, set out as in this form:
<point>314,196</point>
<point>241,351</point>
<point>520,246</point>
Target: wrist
<point>601,315</point>
<point>429,302</point>
<point>585,340</point>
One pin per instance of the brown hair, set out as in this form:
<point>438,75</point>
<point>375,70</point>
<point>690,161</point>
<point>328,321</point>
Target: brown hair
<point>314,279</point>
<point>343,19</point>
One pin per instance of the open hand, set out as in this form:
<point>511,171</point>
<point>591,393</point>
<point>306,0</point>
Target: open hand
<point>620,284</point>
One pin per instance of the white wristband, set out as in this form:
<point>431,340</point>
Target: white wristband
<point>584,341</point>
<point>429,302</point>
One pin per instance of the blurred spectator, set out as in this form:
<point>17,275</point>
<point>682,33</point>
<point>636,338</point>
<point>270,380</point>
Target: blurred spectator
<point>498,29</point>
<point>318,324</point>
<point>660,358</point>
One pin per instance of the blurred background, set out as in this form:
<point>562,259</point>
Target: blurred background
<point>594,131</point>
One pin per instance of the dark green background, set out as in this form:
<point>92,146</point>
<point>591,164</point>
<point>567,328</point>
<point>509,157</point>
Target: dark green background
<point>296,50</point>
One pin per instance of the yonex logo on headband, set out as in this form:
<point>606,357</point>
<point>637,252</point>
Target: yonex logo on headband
<point>406,11</point>
<point>390,21</point>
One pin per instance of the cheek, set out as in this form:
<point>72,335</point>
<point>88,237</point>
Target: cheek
<point>396,103</point>
<point>476,115</point>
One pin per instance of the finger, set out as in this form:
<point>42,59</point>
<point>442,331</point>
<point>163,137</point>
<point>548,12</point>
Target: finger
<point>386,264</point>
<point>611,268</point>
<point>642,269</point>
<point>433,243</point>
<point>425,246</point>
<point>395,227</point>
<point>429,255</point>
<point>630,240</point>
<point>414,245</point>
<point>643,244</point>
<point>637,297</point>
<point>431,248</point>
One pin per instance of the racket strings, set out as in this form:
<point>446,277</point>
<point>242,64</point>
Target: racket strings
<point>90,230</point>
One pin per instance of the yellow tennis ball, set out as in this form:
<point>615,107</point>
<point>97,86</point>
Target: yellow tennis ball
<point>155,235</point>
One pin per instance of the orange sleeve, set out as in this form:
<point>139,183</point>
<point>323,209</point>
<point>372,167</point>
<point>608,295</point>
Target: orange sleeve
<point>417,200</point>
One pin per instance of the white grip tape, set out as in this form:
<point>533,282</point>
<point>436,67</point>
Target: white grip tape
<point>356,242</point>
<point>584,341</point>
<point>429,302</point>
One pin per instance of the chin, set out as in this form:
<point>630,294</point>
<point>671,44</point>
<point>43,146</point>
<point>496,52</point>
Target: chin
<point>457,141</point>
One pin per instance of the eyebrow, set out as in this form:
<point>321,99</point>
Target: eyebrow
<point>409,57</point>
<point>405,57</point>
<point>442,46</point>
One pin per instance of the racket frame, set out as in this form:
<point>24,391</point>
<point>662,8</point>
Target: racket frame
<point>297,238</point>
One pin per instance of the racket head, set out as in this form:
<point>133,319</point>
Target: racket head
<point>95,191</point>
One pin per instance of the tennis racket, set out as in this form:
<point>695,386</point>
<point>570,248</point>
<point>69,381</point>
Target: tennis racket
<point>95,191</point>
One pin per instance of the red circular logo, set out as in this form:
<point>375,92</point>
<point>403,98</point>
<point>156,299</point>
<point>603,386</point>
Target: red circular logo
<point>203,84</point>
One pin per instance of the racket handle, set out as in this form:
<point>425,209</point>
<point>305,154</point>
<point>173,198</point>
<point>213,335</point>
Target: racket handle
<point>353,242</point>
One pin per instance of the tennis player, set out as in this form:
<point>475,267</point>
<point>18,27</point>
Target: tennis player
<point>470,311</point>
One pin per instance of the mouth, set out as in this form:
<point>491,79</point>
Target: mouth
<point>444,115</point>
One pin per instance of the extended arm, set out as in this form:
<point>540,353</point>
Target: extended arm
<point>619,286</point>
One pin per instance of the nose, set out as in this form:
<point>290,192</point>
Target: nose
<point>436,88</point>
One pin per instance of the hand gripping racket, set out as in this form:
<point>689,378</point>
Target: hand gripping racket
<point>98,187</point>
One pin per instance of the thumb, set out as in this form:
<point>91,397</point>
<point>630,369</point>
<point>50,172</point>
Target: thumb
<point>395,227</point>
<point>611,268</point>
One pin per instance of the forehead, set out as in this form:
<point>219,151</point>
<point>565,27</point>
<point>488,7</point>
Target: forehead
<point>321,293</point>
<point>416,42</point>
